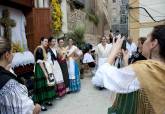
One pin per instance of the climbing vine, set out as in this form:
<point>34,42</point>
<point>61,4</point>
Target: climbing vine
<point>56,16</point>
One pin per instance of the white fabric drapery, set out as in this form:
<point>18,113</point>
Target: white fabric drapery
<point>18,32</point>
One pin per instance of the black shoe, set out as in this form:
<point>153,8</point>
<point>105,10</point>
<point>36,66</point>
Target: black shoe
<point>101,88</point>
<point>49,104</point>
<point>68,92</point>
<point>43,108</point>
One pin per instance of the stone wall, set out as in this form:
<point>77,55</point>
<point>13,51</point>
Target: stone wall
<point>75,17</point>
<point>93,32</point>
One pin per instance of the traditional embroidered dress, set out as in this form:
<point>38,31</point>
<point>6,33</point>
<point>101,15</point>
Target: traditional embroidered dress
<point>52,58</point>
<point>18,32</point>
<point>146,75</point>
<point>42,92</point>
<point>102,53</point>
<point>123,102</point>
<point>63,64</point>
<point>73,69</point>
<point>13,95</point>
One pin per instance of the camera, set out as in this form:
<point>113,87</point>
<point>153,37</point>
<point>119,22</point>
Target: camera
<point>124,42</point>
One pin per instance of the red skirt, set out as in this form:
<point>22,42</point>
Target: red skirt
<point>60,89</point>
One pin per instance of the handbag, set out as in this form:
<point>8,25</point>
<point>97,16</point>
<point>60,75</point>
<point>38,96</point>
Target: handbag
<point>49,70</point>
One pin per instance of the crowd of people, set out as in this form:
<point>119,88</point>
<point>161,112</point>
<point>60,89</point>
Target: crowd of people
<point>134,73</point>
<point>56,73</point>
<point>140,83</point>
<point>64,69</point>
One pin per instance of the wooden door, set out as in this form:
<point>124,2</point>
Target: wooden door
<point>38,25</point>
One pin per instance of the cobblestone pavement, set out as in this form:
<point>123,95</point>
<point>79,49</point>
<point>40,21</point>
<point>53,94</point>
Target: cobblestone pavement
<point>88,101</point>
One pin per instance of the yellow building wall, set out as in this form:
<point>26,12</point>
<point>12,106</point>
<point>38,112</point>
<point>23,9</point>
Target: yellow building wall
<point>133,18</point>
<point>137,26</point>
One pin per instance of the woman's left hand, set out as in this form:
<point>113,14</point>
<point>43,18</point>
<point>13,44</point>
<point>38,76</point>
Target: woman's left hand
<point>116,48</point>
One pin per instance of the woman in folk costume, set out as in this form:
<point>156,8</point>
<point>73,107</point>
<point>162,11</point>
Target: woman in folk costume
<point>43,94</point>
<point>52,59</point>
<point>126,101</point>
<point>73,53</point>
<point>146,75</point>
<point>63,63</point>
<point>13,93</point>
<point>102,51</point>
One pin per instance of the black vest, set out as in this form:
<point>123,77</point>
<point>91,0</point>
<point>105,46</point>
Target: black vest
<point>5,76</point>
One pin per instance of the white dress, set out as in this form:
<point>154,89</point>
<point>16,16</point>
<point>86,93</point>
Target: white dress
<point>102,53</point>
<point>117,80</point>
<point>56,67</point>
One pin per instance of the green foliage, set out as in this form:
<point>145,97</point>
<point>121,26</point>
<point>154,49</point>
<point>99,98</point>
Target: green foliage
<point>77,35</point>
<point>92,17</point>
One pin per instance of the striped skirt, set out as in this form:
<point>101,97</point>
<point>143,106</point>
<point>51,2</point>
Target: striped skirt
<point>131,103</point>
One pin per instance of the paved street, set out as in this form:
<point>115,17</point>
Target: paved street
<point>88,101</point>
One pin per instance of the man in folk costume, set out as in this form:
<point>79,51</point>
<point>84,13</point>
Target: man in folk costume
<point>102,50</point>
<point>146,75</point>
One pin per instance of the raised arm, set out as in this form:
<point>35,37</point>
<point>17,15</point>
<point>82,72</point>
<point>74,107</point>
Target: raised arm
<point>118,80</point>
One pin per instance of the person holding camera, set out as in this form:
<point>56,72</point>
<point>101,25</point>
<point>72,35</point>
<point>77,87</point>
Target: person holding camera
<point>146,75</point>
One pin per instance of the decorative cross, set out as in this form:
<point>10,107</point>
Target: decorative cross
<point>7,23</point>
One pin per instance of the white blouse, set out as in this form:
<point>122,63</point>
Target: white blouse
<point>117,80</point>
<point>102,51</point>
<point>87,58</point>
<point>14,99</point>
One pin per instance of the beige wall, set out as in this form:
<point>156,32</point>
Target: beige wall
<point>140,24</point>
<point>134,24</point>
<point>156,8</point>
